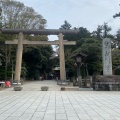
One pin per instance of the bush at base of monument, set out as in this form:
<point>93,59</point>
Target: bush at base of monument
<point>17,88</point>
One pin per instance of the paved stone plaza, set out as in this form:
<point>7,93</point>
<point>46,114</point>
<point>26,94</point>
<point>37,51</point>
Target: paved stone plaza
<point>33,104</point>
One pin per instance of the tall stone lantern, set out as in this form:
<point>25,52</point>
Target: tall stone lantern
<point>79,56</point>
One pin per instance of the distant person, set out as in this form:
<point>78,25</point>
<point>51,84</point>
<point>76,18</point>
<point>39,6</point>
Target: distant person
<point>7,84</point>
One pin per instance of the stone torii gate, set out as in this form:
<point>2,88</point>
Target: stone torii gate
<point>21,42</point>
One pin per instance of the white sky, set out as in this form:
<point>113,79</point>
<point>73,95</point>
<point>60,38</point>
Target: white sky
<point>79,13</point>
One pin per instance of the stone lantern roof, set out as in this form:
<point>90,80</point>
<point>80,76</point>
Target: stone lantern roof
<point>78,53</point>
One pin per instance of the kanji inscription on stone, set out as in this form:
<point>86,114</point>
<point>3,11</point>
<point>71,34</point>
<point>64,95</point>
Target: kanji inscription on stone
<point>106,56</point>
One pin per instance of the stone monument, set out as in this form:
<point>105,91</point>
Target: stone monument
<point>106,56</point>
<point>107,81</point>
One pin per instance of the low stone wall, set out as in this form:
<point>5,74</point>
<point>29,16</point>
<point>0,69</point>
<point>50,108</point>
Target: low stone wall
<point>107,83</point>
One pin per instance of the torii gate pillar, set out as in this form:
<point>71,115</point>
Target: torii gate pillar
<point>19,58</point>
<point>62,58</point>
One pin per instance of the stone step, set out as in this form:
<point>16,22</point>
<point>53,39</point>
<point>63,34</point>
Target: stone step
<point>85,89</point>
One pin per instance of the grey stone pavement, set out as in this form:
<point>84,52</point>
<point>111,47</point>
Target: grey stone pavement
<point>33,104</point>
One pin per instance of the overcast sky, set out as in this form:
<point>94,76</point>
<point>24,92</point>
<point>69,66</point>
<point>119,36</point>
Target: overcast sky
<point>85,13</point>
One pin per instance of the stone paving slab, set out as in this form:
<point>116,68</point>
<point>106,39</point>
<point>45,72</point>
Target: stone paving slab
<point>33,104</point>
<point>59,105</point>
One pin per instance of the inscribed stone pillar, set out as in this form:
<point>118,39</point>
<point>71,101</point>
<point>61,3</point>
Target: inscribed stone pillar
<point>19,58</point>
<point>106,55</point>
<point>62,59</point>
